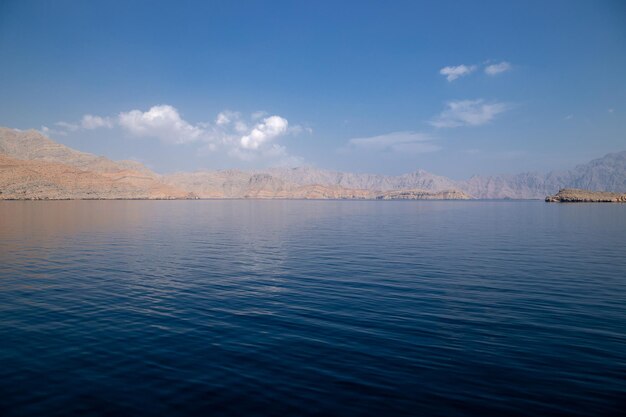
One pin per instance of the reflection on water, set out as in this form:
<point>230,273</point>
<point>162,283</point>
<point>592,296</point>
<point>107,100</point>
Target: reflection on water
<point>312,308</point>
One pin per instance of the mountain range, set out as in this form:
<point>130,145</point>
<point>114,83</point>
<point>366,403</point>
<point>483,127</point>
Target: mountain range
<point>32,166</point>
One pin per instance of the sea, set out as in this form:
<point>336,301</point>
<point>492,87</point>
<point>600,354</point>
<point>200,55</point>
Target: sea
<point>312,308</point>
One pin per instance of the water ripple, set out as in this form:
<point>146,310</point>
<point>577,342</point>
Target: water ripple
<point>312,308</point>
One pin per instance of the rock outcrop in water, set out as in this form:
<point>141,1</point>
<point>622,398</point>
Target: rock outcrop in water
<point>572,195</point>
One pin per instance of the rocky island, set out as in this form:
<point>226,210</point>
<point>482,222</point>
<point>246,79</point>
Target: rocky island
<point>574,195</point>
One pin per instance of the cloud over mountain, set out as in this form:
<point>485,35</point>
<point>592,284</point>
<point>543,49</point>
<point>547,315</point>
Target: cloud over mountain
<point>230,132</point>
<point>162,122</point>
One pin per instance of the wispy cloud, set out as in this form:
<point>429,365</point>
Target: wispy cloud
<point>453,72</point>
<point>495,69</point>
<point>71,127</point>
<point>401,142</point>
<point>258,114</point>
<point>88,122</point>
<point>469,113</point>
<point>95,122</point>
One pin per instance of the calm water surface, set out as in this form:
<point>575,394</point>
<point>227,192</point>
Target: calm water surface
<point>312,308</point>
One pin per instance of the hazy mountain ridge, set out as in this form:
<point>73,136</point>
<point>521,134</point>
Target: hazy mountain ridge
<point>607,173</point>
<point>241,184</point>
<point>603,174</point>
<point>33,166</point>
<point>416,180</point>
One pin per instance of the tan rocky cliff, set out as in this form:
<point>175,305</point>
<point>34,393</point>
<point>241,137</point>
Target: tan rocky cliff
<point>21,180</point>
<point>35,167</point>
<point>32,145</point>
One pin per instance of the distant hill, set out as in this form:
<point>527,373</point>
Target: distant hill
<point>604,174</point>
<point>420,179</point>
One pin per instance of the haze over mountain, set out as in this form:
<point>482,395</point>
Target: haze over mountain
<point>34,166</point>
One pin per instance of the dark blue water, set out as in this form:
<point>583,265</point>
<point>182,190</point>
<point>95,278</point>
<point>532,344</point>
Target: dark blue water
<point>312,308</point>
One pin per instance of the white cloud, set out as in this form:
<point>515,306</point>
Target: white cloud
<point>452,73</point>
<point>162,122</point>
<point>404,142</point>
<point>495,69</point>
<point>229,133</point>
<point>165,123</point>
<point>469,113</point>
<point>264,131</point>
<point>94,122</point>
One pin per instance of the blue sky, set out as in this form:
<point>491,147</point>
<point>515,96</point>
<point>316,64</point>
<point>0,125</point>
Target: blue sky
<point>454,87</point>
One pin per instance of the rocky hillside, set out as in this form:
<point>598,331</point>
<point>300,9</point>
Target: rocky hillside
<point>35,167</point>
<point>32,145</point>
<point>37,180</point>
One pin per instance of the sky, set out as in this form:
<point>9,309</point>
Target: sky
<point>457,88</point>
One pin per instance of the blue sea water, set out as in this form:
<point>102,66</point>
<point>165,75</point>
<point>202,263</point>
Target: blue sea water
<point>312,308</point>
